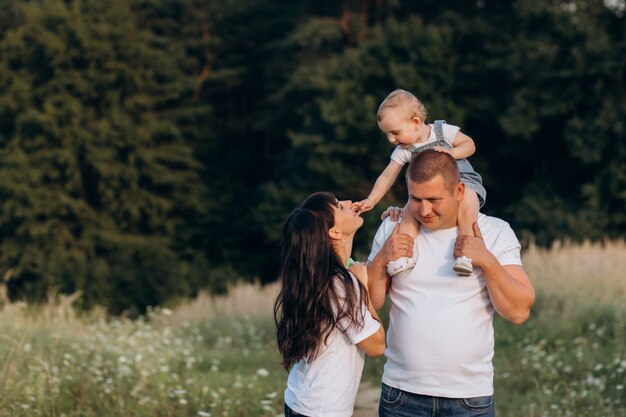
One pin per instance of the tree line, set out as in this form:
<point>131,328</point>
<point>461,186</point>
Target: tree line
<point>150,149</point>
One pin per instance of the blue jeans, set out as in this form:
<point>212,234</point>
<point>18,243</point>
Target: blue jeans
<point>397,403</point>
<point>290,413</point>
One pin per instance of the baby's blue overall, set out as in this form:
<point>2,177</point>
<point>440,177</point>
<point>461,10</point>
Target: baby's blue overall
<point>470,177</point>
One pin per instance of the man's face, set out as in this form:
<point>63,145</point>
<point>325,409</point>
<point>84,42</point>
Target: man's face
<point>433,204</point>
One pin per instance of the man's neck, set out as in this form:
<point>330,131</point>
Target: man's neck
<point>439,229</point>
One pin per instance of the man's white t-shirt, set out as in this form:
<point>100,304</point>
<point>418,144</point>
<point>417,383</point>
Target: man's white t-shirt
<point>327,386</point>
<point>404,155</point>
<point>440,337</point>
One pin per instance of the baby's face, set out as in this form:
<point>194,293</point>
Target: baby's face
<point>399,129</point>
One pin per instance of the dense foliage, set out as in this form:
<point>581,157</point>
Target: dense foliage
<point>152,148</point>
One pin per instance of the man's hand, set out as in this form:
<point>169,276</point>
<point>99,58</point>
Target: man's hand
<point>510,290</point>
<point>397,246</point>
<point>362,206</point>
<point>394,212</point>
<point>473,247</point>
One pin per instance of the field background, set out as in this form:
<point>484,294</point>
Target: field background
<point>151,150</point>
<point>216,356</point>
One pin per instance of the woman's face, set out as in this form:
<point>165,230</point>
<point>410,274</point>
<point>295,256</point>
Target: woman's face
<point>347,221</point>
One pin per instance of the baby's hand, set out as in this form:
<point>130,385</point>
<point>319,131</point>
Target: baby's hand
<point>442,150</point>
<point>360,272</point>
<point>362,206</point>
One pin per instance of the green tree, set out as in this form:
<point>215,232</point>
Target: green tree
<point>338,146</point>
<point>93,173</point>
<point>532,96</point>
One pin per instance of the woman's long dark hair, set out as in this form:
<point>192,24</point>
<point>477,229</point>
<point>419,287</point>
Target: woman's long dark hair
<point>309,306</point>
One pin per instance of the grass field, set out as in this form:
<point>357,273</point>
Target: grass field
<point>216,356</point>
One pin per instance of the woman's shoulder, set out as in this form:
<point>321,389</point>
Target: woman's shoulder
<point>342,281</point>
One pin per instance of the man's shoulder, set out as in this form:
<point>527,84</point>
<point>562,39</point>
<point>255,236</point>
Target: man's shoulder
<point>385,228</point>
<point>500,239</point>
<point>495,229</point>
<point>382,234</point>
<point>492,222</point>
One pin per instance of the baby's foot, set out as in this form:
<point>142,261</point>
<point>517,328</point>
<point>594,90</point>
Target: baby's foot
<point>463,266</point>
<point>400,265</point>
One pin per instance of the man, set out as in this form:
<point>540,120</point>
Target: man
<point>440,338</point>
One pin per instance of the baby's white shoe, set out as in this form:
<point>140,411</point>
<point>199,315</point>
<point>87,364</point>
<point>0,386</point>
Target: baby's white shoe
<point>400,265</point>
<point>463,266</point>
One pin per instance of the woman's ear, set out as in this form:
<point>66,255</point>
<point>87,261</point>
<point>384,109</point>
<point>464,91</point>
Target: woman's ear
<point>334,234</point>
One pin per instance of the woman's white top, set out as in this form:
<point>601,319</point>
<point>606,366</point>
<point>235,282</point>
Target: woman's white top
<point>327,386</point>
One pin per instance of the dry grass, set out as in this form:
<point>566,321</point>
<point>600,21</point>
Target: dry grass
<point>586,275</point>
<point>242,299</point>
<point>582,274</point>
<point>589,273</point>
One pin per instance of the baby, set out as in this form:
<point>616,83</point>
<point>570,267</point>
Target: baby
<point>402,117</point>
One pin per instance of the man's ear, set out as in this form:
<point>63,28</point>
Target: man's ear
<point>460,191</point>
<point>334,234</point>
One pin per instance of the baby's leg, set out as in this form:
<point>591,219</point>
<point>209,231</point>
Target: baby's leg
<point>410,226</point>
<point>468,214</point>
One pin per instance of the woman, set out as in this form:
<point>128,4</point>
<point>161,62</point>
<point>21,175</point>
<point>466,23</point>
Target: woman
<point>324,319</point>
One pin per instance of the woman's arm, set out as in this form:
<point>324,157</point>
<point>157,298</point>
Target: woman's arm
<point>373,345</point>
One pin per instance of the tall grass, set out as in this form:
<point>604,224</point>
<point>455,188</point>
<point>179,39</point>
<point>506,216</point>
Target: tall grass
<point>210,357</point>
<point>217,356</point>
<point>569,359</point>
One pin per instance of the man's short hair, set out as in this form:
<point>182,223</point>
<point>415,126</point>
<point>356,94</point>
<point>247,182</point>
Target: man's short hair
<point>427,164</point>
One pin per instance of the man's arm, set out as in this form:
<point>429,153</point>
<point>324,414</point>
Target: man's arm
<point>509,287</point>
<point>378,283</point>
<point>396,246</point>
<point>511,292</point>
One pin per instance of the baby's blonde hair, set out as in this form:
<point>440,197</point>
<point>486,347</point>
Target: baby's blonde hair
<point>405,102</point>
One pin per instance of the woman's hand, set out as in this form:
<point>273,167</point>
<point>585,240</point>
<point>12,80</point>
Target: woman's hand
<point>360,272</point>
<point>394,212</point>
